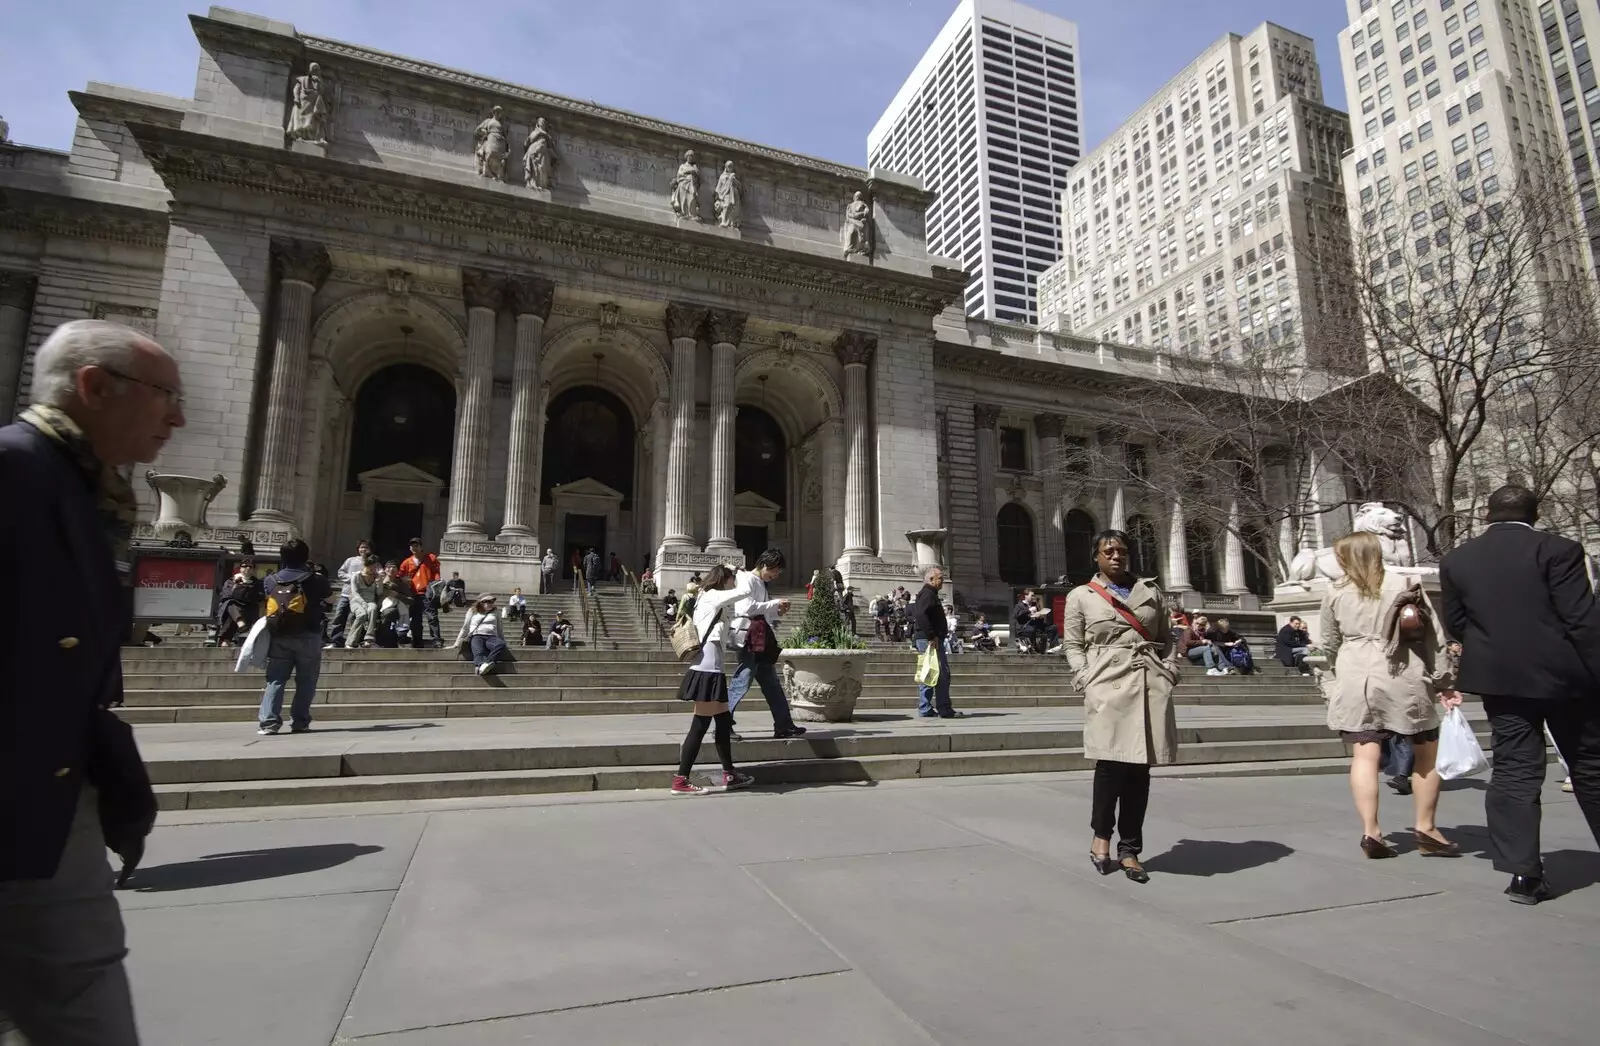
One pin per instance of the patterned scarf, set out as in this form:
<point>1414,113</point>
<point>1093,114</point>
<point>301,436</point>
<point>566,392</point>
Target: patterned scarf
<point>116,506</point>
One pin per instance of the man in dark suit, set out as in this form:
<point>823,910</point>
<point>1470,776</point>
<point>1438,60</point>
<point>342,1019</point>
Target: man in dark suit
<point>1519,602</point>
<point>929,629</point>
<point>71,781</point>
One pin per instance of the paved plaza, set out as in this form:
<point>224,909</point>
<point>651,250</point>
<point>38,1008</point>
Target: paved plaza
<point>957,911</point>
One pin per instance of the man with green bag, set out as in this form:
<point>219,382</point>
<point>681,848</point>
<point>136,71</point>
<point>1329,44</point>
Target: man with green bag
<point>927,618</point>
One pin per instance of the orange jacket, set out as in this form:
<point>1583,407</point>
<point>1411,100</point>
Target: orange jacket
<point>421,571</point>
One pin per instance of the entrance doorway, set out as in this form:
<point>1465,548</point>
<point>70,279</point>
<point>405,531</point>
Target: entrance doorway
<point>394,523</point>
<point>752,541</point>
<point>581,534</point>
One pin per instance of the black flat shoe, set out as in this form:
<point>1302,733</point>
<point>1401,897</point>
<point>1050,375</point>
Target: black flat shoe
<point>1134,870</point>
<point>1104,865</point>
<point>1377,848</point>
<point>1528,889</point>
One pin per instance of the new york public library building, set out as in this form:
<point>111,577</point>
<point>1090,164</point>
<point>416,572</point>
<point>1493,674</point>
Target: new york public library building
<point>411,300</point>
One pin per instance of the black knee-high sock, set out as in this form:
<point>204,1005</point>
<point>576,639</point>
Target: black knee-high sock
<point>723,739</point>
<point>691,744</point>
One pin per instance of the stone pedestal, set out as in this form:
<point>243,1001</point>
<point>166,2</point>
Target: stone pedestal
<point>491,566</point>
<point>183,500</point>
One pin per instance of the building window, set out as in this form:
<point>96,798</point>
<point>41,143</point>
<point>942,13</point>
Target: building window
<point>1014,449</point>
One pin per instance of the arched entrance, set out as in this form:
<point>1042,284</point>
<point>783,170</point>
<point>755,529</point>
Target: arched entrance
<point>1201,546</point>
<point>404,415</point>
<point>761,467</point>
<point>589,435</point>
<point>1080,531</point>
<point>1146,550</point>
<point>1014,535</point>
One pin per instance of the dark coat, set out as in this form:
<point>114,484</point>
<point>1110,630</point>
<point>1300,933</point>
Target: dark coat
<point>927,615</point>
<point>63,666</point>
<point>1290,637</point>
<point>1519,602</point>
<point>593,571</point>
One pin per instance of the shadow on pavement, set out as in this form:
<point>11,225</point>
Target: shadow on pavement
<point>374,728</point>
<point>1207,857</point>
<point>1572,870</point>
<point>1464,784</point>
<point>245,866</point>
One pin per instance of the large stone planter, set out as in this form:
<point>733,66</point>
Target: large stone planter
<point>184,499</point>
<point>823,685</point>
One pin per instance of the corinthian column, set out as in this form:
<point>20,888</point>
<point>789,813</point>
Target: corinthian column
<point>855,351</point>
<point>985,418</point>
<point>302,267</point>
<point>530,303</point>
<point>1233,583</point>
<point>683,327</point>
<point>1048,426</point>
<point>484,293</point>
<point>16,305</point>
<point>726,330</point>
<point>1177,578</point>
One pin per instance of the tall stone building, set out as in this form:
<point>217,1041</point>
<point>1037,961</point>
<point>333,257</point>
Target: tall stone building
<point>1212,221</point>
<point>409,300</point>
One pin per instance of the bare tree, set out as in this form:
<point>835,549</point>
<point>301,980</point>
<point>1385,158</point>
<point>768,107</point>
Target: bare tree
<point>1474,301</point>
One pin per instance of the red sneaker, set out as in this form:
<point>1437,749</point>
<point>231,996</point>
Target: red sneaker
<point>736,779</point>
<point>681,786</point>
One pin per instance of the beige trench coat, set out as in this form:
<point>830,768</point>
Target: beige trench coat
<point>1125,680</point>
<point>1368,691</point>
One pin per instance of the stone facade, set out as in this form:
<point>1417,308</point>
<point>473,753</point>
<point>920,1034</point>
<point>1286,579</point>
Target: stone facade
<point>334,304</point>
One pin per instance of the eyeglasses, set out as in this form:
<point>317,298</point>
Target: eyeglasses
<point>174,397</point>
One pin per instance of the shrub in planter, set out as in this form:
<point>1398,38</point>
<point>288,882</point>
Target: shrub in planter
<point>823,663</point>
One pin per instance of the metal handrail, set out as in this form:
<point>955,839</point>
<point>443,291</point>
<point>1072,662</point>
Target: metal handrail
<point>642,606</point>
<point>585,593</point>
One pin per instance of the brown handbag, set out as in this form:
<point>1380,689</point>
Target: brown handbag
<point>1412,622</point>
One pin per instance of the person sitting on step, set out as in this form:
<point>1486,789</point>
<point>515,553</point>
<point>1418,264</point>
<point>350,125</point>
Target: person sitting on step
<point>517,605</point>
<point>532,631</point>
<point>480,633</point>
<point>560,633</point>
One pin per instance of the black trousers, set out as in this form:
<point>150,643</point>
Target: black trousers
<point>1121,796</point>
<point>1512,803</point>
<point>424,607</point>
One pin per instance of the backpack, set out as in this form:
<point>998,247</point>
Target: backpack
<point>288,607</point>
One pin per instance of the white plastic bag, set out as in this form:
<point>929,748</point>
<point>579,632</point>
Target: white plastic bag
<point>928,665</point>
<point>253,654</point>
<point>1460,754</point>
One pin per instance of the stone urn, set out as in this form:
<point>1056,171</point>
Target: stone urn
<point>823,685</point>
<point>184,499</point>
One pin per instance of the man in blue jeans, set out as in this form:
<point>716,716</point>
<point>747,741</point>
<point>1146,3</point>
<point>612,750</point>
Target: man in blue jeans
<point>928,620</point>
<point>756,605</point>
<point>296,641</point>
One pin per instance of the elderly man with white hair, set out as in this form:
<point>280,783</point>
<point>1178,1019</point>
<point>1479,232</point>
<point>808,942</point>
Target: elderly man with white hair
<point>931,627</point>
<point>71,780</point>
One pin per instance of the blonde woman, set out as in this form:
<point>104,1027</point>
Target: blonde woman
<point>1385,687</point>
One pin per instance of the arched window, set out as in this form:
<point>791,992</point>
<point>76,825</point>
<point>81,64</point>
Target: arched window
<point>1014,531</point>
<point>1146,550</point>
<point>589,435</point>
<point>1080,531</point>
<point>404,413</point>
<point>1201,545</point>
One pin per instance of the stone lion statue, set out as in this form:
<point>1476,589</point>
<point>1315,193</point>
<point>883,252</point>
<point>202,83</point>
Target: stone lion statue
<point>1373,517</point>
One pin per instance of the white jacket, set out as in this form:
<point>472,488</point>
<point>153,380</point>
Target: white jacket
<point>752,605</point>
<point>708,606</point>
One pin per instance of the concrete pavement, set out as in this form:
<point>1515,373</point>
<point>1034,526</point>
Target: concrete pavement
<point>951,911</point>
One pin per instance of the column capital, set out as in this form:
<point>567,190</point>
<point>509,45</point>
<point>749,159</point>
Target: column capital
<point>16,290</point>
<point>853,347</point>
<point>302,262</point>
<point>1048,426</point>
<point>986,415</point>
<point>530,295</point>
<point>685,321</point>
<point>483,289</point>
<point>726,326</point>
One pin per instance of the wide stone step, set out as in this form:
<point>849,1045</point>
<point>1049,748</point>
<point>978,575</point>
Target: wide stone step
<point>808,770</point>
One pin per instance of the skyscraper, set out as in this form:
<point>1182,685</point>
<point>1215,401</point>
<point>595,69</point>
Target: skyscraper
<point>988,119</point>
<point>1212,222</point>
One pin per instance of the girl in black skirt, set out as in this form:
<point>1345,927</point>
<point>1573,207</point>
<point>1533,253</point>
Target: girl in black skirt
<point>707,687</point>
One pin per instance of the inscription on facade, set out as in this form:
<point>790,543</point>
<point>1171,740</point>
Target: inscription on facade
<point>397,125</point>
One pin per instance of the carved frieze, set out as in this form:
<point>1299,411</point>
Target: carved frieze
<point>490,549</point>
<point>141,318</point>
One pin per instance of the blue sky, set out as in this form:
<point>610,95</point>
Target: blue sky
<point>807,75</point>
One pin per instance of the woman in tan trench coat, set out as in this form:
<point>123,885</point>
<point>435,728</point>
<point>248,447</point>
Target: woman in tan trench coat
<point>1384,688</point>
<point>1126,678</point>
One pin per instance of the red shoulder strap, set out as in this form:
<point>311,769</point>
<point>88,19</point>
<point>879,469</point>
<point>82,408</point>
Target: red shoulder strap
<point>1122,611</point>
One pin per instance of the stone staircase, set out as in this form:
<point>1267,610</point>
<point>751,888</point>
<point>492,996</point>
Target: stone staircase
<point>165,685</point>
